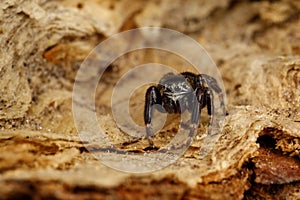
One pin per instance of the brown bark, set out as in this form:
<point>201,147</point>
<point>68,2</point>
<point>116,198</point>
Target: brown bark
<point>256,47</point>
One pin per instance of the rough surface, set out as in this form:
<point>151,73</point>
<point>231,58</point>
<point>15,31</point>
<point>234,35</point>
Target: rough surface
<point>271,168</point>
<point>256,47</point>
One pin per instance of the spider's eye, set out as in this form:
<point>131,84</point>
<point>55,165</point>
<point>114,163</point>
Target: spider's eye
<point>177,88</point>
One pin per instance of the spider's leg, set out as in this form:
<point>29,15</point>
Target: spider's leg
<point>152,97</point>
<point>221,98</point>
<point>210,107</point>
<point>196,112</point>
<point>212,83</point>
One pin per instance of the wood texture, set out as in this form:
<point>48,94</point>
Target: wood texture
<point>256,47</point>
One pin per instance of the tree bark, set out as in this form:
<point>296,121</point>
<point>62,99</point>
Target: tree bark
<point>255,46</point>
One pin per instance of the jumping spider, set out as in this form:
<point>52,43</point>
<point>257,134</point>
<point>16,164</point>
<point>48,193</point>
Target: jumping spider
<point>176,93</point>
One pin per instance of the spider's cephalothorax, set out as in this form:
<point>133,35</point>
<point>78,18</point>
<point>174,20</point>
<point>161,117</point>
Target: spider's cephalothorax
<point>176,93</point>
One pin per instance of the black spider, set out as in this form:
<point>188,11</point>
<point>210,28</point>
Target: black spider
<point>176,93</point>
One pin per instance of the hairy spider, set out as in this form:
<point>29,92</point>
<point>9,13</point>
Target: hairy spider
<point>176,93</point>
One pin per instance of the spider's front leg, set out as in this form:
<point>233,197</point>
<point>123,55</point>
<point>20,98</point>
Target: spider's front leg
<point>209,97</point>
<point>198,100</point>
<point>212,83</point>
<point>152,97</point>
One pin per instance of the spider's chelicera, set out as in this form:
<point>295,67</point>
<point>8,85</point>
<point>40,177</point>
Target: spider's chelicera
<point>177,93</point>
